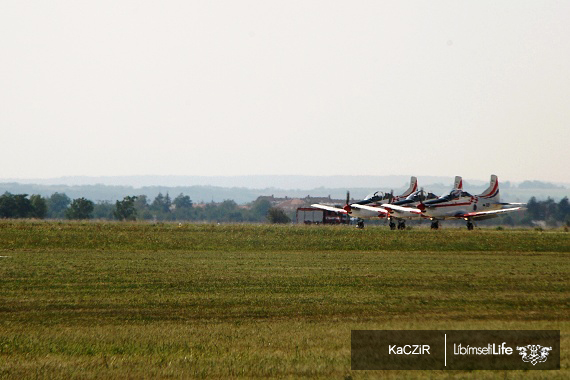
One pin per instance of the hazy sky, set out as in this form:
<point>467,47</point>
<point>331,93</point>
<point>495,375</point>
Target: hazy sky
<point>285,87</point>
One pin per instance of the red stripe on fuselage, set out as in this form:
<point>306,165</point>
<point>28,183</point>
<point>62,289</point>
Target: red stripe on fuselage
<point>449,205</point>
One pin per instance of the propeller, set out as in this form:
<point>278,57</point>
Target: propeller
<point>347,207</point>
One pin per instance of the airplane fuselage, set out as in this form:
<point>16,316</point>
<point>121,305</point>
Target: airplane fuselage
<point>366,214</point>
<point>449,209</point>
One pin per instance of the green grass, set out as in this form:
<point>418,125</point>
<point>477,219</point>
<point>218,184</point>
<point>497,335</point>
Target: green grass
<point>113,300</point>
<point>244,237</point>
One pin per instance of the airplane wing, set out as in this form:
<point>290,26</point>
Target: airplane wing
<point>411,210</point>
<point>380,210</point>
<point>476,214</point>
<point>330,208</point>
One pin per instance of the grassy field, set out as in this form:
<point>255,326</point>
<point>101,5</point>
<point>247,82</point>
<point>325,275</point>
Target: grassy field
<point>122,300</point>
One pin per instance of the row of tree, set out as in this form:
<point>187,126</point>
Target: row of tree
<point>162,208</point>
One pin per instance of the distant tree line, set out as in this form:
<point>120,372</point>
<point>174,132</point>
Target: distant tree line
<point>130,208</point>
<point>549,211</point>
<point>181,208</point>
<point>20,206</point>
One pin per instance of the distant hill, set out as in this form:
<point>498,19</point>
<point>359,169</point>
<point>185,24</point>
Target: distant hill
<point>286,182</point>
<point>244,189</point>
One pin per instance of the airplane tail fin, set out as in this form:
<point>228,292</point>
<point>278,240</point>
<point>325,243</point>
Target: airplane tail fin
<point>458,184</point>
<point>492,191</point>
<point>413,187</point>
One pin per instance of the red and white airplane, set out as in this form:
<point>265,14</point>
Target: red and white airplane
<point>406,209</point>
<point>459,204</point>
<point>374,209</point>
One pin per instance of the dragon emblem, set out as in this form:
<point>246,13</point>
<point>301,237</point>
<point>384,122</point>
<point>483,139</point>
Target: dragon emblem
<point>534,353</point>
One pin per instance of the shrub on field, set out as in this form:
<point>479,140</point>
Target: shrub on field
<point>277,215</point>
<point>125,209</point>
<point>80,208</point>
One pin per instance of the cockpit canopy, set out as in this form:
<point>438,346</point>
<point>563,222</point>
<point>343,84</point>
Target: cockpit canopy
<point>420,196</point>
<point>375,197</point>
<point>455,194</point>
<point>415,196</point>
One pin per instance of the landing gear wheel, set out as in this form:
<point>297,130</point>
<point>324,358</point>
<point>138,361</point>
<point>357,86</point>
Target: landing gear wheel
<point>360,224</point>
<point>392,225</point>
<point>402,225</point>
<point>435,225</point>
<point>469,226</point>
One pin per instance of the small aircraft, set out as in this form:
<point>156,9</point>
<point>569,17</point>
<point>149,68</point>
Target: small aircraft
<point>459,204</point>
<point>406,209</point>
<point>370,211</point>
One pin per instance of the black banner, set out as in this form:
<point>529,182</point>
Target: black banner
<point>455,349</point>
